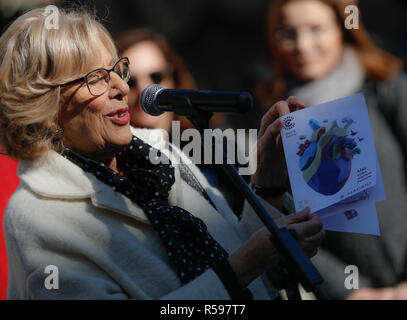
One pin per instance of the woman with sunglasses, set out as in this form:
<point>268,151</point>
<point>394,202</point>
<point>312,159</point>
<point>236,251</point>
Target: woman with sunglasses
<point>154,62</point>
<point>93,217</point>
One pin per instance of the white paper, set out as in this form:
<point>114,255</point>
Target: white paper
<point>343,192</point>
<point>330,152</point>
<point>360,218</point>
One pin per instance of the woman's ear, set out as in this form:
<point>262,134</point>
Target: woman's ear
<point>68,108</point>
<point>66,97</point>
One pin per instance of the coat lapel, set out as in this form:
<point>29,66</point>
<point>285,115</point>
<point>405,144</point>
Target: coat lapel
<point>55,177</point>
<point>105,197</point>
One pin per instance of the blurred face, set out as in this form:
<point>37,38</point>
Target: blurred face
<point>310,40</point>
<point>96,125</point>
<point>148,66</point>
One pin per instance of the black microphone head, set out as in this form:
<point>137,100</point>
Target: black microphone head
<point>147,100</point>
<point>245,102</point>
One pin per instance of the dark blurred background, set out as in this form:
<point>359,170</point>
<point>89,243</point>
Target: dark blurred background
<point>223,44</point>
<point>222,41</point>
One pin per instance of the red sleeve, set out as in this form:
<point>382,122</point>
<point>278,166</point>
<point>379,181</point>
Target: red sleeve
<point>8,184</point>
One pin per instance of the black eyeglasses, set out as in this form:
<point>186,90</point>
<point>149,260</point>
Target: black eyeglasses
<point>97,80</point>
<point>155,77</point>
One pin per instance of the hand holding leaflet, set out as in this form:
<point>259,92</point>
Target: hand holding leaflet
<point>332,164</point>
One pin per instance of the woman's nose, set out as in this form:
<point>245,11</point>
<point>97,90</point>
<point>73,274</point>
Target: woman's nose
<point>118,87</point>
<point>303,41</point>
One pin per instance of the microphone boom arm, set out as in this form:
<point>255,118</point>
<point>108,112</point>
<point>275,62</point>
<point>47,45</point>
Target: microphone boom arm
<point>293,257</point>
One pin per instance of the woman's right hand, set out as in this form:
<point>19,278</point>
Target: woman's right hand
<point>271,166</point>
<point>258,253</point>
<point>308,227</point>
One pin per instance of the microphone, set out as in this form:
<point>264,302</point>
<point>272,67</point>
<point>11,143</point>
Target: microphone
<point>155,100</point>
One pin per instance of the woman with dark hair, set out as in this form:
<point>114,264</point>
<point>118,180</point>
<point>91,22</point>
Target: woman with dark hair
<point>154,62</point>
<point>314,56</point>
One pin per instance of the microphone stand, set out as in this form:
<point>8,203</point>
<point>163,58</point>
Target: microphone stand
<point>293,257</point>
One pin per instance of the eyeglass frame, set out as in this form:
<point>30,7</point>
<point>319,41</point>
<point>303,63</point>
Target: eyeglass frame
<point>85,77</point>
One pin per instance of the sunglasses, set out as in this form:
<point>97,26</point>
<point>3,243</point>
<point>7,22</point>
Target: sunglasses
<point>156,77</point>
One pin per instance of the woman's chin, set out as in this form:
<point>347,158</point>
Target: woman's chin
<point>123,137</point>
<point>146,122</point>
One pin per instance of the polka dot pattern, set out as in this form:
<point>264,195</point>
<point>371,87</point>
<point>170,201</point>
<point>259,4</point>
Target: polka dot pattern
<point>189,245</point>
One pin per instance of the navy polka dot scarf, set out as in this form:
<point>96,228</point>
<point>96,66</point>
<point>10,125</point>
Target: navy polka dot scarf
<point>189,245</point>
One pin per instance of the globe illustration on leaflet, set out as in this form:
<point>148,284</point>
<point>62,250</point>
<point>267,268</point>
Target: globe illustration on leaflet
<point>325,159</point>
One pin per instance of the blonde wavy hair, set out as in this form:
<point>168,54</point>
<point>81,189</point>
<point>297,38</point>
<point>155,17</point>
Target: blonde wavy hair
<point>34,60</point>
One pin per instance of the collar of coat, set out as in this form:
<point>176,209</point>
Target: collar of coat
<point>55,177</point>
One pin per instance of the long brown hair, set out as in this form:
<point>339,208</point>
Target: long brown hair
<point>377,64</point>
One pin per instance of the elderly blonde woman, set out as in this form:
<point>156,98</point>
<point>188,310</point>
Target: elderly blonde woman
<point>92,205</point>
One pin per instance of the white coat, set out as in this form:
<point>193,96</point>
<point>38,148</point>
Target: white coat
<point>99,244</point>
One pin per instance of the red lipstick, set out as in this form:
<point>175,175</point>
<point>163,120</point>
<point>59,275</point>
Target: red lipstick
<point>120,116</point>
